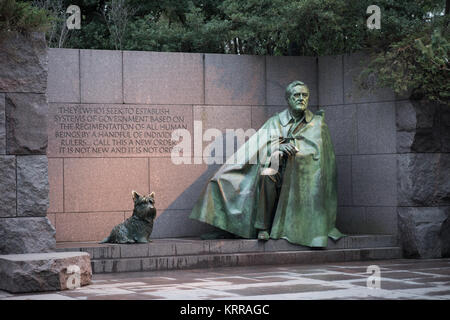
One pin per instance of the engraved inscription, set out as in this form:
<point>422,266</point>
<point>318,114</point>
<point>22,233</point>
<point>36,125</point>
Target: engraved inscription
<point>114,130</point>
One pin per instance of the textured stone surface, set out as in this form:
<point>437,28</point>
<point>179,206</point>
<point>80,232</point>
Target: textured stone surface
<point>101,76</point>
<point>351,220</point>
<point>104,184</point>
<point>374,180</point>
<point>26,235</point>
<point>376,128</point>
<point>23,62</point>
<point>56,185</point>
<point>331,84</point>
<point>8,186</point>
<point>26,123</point>
<point>162,77</point>
<point>35,272</point>
<point>342,122</point>
<point>422,127</point>
<point>424,231</point>
<point>234,80</point>
<point>2,124</point>
<point>280,71</point>
<point>32,186</point>
<point>380,220</point>
<point>63,75</point>
<point>424,179</point>
<point>353,65</point>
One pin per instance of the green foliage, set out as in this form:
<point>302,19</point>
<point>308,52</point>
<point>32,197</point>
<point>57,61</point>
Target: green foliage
<point>22,17</point>
<point>419,64</point>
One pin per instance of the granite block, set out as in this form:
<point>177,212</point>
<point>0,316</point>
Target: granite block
<point>32,186</point>
<point>26,235</point>
<point>23,62</point>
<point>280,71</point>
<point>344,180</point>
<point>101,76</point>
<point>26,123</point>
<point>163,77</point>
<point>376,128</point>
<point>86,226</point>
<point>374,180</point>
<point>63,75</point>
<point>342,123</point>
<point>331,84</point>
<point>8,186</point>
<point>56,186</point>
<point>351,220</point>
<point>425,179</point>
<point>103,184</point>
<point>381,220</point>
<point>353,65</point>
<point>234,79</point>
<point>178,186</point>
<point>2,124</point>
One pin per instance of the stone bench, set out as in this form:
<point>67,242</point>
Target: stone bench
<point>51,271</point>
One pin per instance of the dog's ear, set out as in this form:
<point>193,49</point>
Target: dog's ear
<point>152,195</point>
<point>135,195</point>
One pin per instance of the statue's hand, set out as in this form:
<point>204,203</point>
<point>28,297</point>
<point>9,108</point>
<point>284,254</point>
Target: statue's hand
<point>288,149</point>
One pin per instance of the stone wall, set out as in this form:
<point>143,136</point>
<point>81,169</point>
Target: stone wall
<point>90,191</point>
<point>423,145</point>
<point>24,186</point>
<point>363,129</point>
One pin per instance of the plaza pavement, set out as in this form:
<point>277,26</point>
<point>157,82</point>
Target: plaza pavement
<point>399,279</point>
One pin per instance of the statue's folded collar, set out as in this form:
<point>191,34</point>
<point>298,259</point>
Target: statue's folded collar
<point>286,117</point>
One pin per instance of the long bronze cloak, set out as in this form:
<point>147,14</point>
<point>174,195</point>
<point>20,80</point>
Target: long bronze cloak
<point>306,210</point>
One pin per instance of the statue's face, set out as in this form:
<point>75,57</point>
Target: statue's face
<point>298,101</point>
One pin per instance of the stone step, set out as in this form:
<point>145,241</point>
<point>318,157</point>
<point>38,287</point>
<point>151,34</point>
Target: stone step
<point>190,246</point>
<point>178,262</point>
<point>183,253</point>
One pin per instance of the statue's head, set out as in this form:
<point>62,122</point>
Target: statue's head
<point>297,96</point>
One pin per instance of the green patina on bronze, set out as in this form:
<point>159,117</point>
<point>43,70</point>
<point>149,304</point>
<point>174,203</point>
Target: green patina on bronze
<point>296,202</point>
<point>138,227</point>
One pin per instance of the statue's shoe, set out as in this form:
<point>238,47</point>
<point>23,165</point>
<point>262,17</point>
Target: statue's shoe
<point>263,235</point>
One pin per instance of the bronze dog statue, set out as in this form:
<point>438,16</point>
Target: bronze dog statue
<point>137,228</point>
